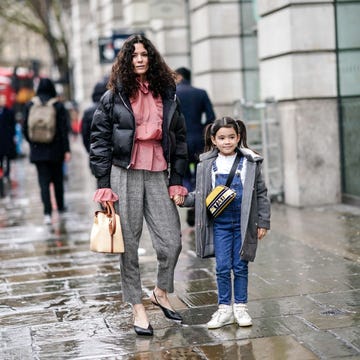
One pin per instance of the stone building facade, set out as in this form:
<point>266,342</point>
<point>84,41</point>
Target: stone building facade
<point>297,52</point>
<point>19,47</point>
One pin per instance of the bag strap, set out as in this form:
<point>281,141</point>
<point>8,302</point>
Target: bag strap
<point>36,100</point>
<point>232,171</point>
<point>52,101</point>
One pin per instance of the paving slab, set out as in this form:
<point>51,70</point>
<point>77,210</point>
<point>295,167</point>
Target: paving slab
<point>58,300</point>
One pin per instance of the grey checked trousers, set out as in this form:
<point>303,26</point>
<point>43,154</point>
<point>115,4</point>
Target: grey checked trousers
<point>144,194</point>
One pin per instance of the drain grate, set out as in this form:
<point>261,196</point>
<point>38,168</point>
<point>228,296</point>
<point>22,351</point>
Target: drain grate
<point>332,312</point>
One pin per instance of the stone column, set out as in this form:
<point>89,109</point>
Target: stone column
<point>169,28</point>
<point>91,19</point>
<point>81,51</point>
<point>298,69</point>
<point>215,51</point>
<point>164,23</point>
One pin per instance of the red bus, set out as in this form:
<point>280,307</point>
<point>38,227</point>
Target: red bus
<point>17,85</point>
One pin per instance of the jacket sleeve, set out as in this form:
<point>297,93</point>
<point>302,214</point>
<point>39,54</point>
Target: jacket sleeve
<point>179,157</point>
<point>262,200</point>
<point>85,128</point>
<point>189,200</point>
<point>209,111</point>
<point>101,141</point>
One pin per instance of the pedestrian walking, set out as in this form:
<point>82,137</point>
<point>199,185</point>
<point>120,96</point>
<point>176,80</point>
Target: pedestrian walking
<point>198,112</point>
<point>98,92</point>
<point>233,235</point>
<point>49,144</point>
<point>138,154</point>
<point>7,137</point>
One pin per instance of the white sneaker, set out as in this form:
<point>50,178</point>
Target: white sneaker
<point>241,315</point>
<point>223,316</point>
<point>47,219</point>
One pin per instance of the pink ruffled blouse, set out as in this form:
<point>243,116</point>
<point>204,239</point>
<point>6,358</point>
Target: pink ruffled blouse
<point>148,153</point>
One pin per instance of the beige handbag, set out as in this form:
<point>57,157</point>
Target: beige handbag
<point>106,235</point>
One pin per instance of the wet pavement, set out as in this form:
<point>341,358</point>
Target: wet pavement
<point>58,300</point>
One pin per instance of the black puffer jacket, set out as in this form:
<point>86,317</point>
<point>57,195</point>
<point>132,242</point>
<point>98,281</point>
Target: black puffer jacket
<point>113,130</point>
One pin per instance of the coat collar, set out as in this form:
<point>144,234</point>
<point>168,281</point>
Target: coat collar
<point>248,153</point>
<point>170,93</point>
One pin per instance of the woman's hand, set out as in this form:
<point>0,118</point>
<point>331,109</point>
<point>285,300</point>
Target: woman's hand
<point>261,232</point>
<point>67,156</point>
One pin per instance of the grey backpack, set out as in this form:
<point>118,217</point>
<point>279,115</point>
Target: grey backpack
<point>42,121</point>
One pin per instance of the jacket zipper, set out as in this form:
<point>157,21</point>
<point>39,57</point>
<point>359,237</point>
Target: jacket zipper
<point>171,112</point>
<point>132,113</point>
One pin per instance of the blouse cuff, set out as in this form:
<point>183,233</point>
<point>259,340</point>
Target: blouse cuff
<point>177,190</point>
<point>105,194</point>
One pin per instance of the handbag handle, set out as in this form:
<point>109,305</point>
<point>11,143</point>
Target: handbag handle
<point>110,212</point>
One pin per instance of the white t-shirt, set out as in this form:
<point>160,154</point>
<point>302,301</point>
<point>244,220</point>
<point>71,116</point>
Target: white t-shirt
<point>224,165</point>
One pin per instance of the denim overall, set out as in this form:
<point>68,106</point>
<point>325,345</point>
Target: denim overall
<point>227,243</point>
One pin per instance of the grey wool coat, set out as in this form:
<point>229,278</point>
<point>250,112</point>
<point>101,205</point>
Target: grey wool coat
<point>255,207</point>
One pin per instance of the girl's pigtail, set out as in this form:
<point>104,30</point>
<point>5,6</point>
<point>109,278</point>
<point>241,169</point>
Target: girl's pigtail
<point>243,134</point>
<point>207,138</point>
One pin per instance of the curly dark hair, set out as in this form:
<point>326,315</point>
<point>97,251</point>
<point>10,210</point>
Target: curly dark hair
<point>159,74</point>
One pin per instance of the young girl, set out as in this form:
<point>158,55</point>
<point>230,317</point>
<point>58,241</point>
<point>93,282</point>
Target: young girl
<point>232,235</point>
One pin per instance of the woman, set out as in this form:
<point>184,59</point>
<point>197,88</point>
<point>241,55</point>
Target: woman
<point>49,157</point>
<point>139,156</point>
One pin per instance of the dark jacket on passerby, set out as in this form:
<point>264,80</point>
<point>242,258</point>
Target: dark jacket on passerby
<point>194,102</point>
<point>7,133</point>
<point>113,130</point>
<point>55,150</point>
<point>98,92</point>
<point>255,204</point>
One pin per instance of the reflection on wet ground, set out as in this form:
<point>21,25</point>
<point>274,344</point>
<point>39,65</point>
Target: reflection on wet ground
<point>60,301</point>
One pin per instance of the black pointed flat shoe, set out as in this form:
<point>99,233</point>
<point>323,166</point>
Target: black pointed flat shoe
<point>144,332</point>
<point>170,314</point>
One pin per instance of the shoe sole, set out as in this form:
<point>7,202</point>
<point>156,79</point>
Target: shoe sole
<point>245,324</point>
<point>218,327</point>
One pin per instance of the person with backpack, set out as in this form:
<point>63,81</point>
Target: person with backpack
<point>45,128</point>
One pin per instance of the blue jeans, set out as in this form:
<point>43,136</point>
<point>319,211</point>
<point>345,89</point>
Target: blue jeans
<point>227,242</point>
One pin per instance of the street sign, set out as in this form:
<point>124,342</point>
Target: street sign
<point>106,50</point>
<point>110,46</point>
